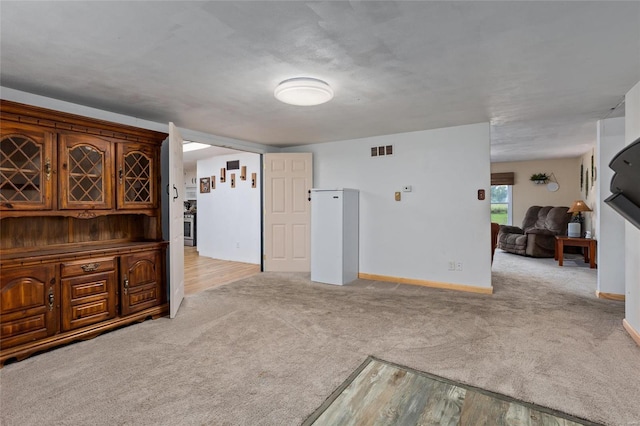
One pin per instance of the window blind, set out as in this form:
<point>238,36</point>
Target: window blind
<point>502,178</point>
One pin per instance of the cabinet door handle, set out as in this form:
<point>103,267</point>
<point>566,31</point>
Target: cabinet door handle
<point>47,169</point>
<point>90,267</point>
<point>120,174</point>
<point>51,298</point>
<point>176,191</point>
<point>126,285</point>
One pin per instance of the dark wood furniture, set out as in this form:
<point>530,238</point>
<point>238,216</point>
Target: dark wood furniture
<point>81,248</point>
<point>589,245</point>
<point>495,228</point>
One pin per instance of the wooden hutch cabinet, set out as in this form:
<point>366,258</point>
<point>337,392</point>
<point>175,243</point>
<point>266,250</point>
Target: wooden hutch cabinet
<point>27,156</point>
<point>81,249</point>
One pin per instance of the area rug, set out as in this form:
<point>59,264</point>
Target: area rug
<point>383,393</point>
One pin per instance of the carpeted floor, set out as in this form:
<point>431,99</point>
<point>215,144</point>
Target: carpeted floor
<point>268,350</point>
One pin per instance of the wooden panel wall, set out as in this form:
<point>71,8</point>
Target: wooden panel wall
<point>17,232</point>
<point>105,228</point>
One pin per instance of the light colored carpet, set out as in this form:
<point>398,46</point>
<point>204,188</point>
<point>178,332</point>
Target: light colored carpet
<point>268,350</point>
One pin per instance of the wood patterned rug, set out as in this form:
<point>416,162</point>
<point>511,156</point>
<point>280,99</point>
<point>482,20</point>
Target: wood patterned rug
<point>383,393</point>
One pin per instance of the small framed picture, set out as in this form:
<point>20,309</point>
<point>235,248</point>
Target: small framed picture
<point>205,185</point>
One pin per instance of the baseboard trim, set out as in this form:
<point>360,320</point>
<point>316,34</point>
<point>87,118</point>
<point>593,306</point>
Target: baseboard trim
<point>610,296</point>
<point>425,283</point>
<point>632,332</point>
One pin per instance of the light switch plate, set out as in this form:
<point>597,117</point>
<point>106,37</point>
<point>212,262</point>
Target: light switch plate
<point>406,188</point>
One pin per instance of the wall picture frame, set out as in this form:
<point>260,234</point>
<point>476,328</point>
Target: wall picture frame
<point>586,183</point>
<point>205,185</point>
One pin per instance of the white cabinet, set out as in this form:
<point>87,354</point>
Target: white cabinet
<point>190,185</point>
<point>334,235</point>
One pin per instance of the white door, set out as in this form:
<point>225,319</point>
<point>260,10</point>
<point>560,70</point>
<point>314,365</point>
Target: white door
<point>176,221</point>
<point>288,178</point>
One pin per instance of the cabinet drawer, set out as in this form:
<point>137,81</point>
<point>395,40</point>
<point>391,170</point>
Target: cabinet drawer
<point>88,299</point>
<point>87,266</point>
<point>89,286</point>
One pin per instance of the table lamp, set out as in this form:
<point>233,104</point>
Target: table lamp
<point>575,227</point>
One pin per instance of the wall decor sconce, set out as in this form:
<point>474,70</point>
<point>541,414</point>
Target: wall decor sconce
<point>243,173</point>
<point>205,185</point>
<point>253,180</point>
<point>223,175</point>
<point>553,184</point>
<point>213,182</point>
<point>233,180</point>
<point>539,178</point>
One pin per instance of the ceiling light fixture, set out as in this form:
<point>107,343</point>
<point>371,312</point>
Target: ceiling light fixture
<point>303,91</point>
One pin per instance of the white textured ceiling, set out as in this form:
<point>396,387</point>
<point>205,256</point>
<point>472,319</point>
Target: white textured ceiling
<point>541,72</point>
<point>190,158</point>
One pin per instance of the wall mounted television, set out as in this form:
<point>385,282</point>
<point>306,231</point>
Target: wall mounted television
<point>625,183</point>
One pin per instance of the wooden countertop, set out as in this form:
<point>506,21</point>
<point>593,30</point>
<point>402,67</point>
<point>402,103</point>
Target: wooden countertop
<point>64,252</point>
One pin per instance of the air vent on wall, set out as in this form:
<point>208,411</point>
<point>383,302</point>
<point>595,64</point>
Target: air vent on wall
<point>379,151</point>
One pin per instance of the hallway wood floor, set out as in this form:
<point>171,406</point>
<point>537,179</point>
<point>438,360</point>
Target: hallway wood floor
<point>201,273</point>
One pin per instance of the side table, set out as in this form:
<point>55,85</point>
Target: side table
<point>588,243</point>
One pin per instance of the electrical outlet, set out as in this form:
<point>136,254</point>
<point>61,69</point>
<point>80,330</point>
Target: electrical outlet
<point>458,266</point>
<point>452,265</point>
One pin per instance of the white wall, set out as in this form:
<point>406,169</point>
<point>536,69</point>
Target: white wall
<point>439,221</point>
<point>609,228</point>
<point>228,219</point>
<point>632,234</point>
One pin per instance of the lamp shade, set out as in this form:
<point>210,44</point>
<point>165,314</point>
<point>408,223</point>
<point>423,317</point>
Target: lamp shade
<point>579,206</point>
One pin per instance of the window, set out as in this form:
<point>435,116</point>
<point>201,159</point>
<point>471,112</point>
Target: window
<point>501,208</point>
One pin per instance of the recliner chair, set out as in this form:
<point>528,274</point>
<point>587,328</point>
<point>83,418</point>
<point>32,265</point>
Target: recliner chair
<point>537,237</point>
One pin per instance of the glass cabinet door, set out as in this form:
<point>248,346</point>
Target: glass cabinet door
<point>85,173</point>
<point>25,168</point>
<point>136,176</point>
